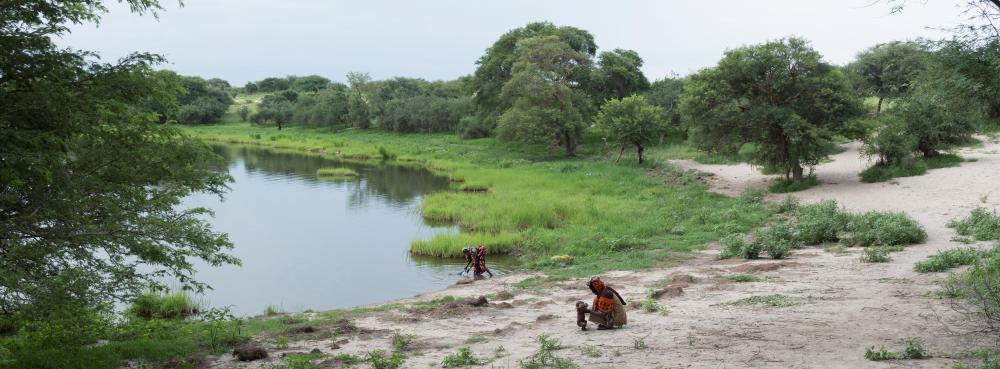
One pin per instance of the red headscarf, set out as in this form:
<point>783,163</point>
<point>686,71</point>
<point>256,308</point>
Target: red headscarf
<point>601,304</point>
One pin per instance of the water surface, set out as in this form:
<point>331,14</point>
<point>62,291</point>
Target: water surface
<point>311,243</point>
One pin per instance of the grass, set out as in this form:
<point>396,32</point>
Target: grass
<point>650,305</point>
<point>914,350</point>
<point>875,254</point>
<point>786,185</point>
<point>336,172</point>
<point>776,300</point>
<point>915,167</point>
<point>169,305</point>
<point>603,214</point>
<point>545,356</point>
<point>948,259</point>
<point>981,224</point>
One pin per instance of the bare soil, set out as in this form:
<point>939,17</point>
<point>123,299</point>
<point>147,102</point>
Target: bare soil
<point>843,305</point>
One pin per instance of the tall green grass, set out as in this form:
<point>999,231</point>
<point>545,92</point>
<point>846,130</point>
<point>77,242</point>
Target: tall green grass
<point>169,305</point>
<point>606,214</point>
<point>336,172</point>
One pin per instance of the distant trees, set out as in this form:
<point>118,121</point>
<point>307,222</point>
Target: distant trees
<point>311,83</point>
<point>665,94</point>
<point>780,96</point>
<point>199,102</point>
<point>888,70</point>
<point>632,121</point>
<point>544,103</point>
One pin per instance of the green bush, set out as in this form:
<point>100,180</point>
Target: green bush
<point>777,240</point>
<point>879,355</point>
<point>752,195</point>
<point>981,224</point>
<point>978,291</point>
<point>821,222</point>
<point>461,359</point>
<point>914,349</point>
<point>885,172</point>
<point>876,228</point>
<point>380,360</point>
<point>788,185</point>
<point>731,245</point>
<point>751,250</point>
<point>787,205</point>
<point>875,254</point>
<point>948,259</point>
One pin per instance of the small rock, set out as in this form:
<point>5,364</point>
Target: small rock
<point>250,353</point>
<point>463,280</point>
<point>505,305</point>
<point>478,301</point>
<point>315,351</point>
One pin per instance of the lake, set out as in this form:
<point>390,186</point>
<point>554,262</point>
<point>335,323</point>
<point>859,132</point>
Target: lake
<point>311,243</point>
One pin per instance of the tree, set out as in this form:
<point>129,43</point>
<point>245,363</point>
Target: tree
<point>273,84</point>
<point>665,93</point>
<point>311,83</point>
<point>496,67</point>
<point>778,95</point>
<point>619,74</point>
<point>887,70</point>
<point>274,108</point>
<point>632,121</point>
<point>91,179</point>
<point>358,111</point>
<point>543,103</point>
<point>243,112</point>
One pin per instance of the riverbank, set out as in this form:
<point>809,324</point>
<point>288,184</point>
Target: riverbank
<point>535,203</point>
<point>820,308</point>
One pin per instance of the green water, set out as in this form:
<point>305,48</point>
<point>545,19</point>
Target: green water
<point>311,243</point>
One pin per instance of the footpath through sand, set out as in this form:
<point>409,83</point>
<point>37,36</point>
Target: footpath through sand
<point>845,305</point>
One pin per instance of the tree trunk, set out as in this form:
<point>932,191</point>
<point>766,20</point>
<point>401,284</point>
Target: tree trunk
<point>639,149</point>
<point>797,173</point>
<point>570,145</point>
<point>620,152</point>
<point>279,126</point>
<point>878,108</point>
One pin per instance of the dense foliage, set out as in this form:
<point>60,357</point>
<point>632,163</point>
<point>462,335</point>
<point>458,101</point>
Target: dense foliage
<point>91,178</point>
<point>780,96</point>
<point>887,70</point>
<point>631,121</point>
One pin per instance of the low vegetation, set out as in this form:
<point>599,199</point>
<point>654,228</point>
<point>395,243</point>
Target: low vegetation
<point>787,185</point>
<point>949,259</point>
<point>651,305</point>
<point>743,278</point>
<point>981,224</point>
<point>914,349</point>
<point>776,300</point>
<point>463,358</point>
<point>913,167</point>
<point>336,172</point>
<point>171,305</point>
<point>545,356</point>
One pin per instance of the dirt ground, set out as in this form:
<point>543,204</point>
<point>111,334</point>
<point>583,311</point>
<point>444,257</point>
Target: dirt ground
<point>845,305</point>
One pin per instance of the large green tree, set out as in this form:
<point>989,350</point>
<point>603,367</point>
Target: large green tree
<point>619,74</point>
<point>91,180</point>
<point>631,121</point>
<point>888,70</point>
<point>496,67</point>
<point>780,96</point>
<point>544,105</point>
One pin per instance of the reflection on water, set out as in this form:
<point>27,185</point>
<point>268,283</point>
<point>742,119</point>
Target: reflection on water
<point>310,243</point>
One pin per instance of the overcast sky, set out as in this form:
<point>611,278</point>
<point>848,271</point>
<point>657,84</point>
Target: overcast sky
<point>246,40</point>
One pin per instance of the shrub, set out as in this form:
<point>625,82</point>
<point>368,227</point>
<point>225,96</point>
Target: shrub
<point>777,240</point>
<point>981,224</point>
<point>545,356</point>
<point>461,359</point>
<point>650,305</point>
<point>380,360</point>
<point>731,245</point>
<point>787,205</point>
<point>885,172</point>
<point>876,228</point>
<point>914,349</point>
<point>751,250</point>
<point>879,355</point>
<point>789,185</point>
<point>978,291</point>
<point>752,195</point>
<point>821,222</point>
<point>948,259</point>
<point>401,341</point>
<point>875,254</point>
<point>742,278</point>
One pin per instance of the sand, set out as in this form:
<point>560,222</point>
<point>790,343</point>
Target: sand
<point>844,305</point>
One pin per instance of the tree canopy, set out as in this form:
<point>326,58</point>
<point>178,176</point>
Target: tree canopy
<point>888,70</point>
<point>91,179</point>
<point>780,96</point>
<point>631,121</point>
<point>619,74</point>
<point>544,105</point>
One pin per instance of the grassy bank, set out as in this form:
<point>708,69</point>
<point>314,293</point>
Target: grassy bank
<point>534,202</point>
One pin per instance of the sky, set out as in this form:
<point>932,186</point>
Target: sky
<point>248,40</point>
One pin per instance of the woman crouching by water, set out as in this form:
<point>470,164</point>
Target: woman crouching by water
<point>608,310</point>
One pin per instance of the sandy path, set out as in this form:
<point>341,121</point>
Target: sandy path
<point>848,305</point>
